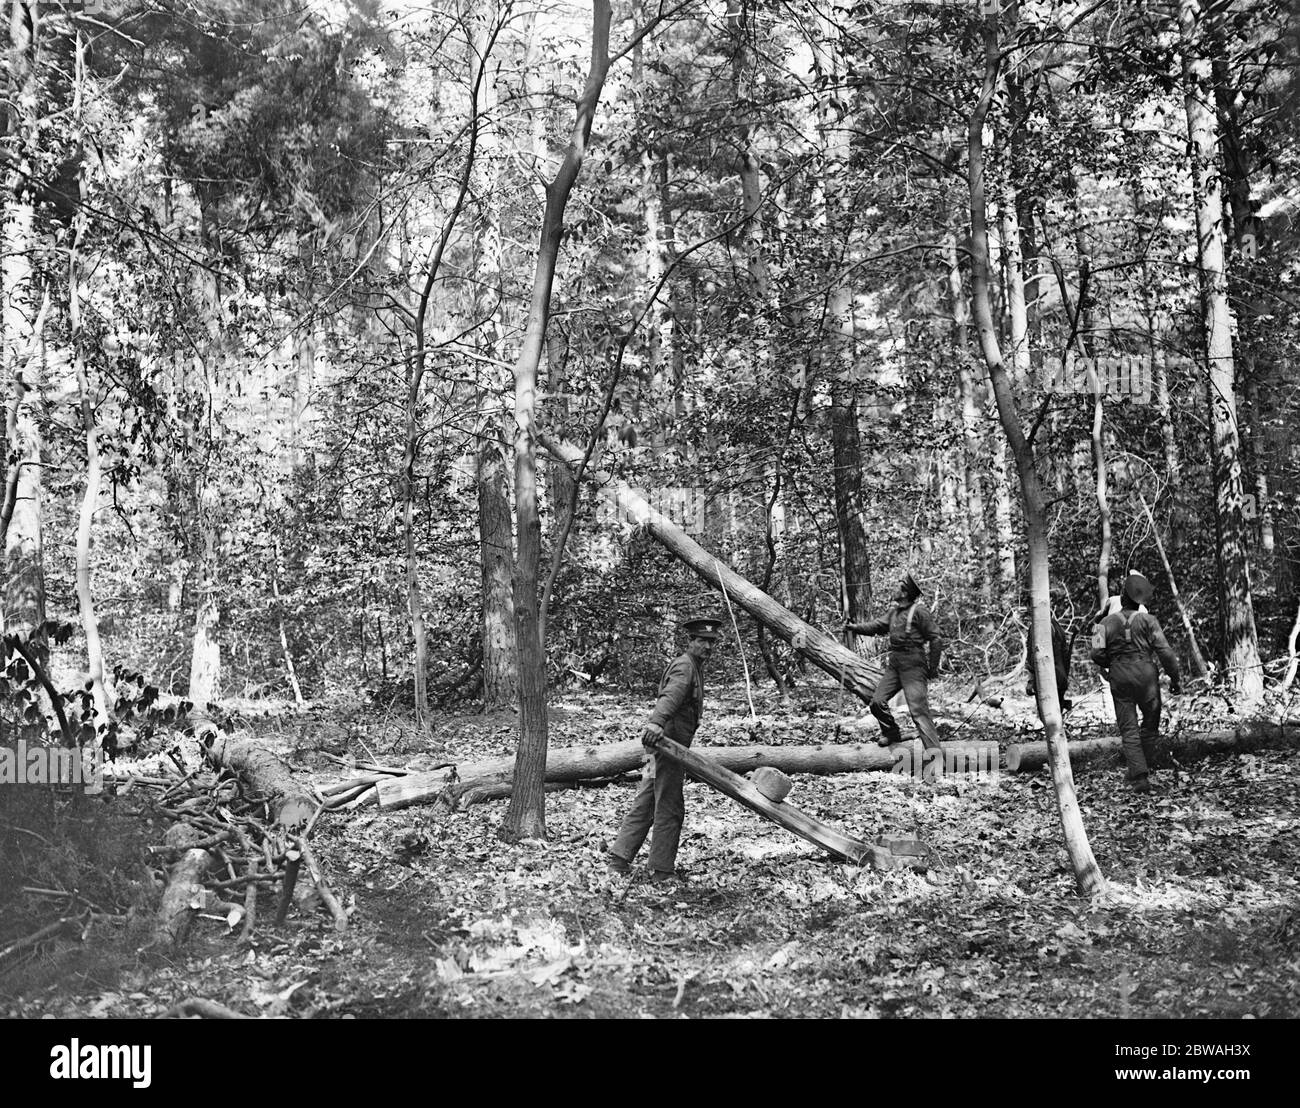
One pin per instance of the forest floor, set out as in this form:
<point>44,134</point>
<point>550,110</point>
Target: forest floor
<point>1201,919</point>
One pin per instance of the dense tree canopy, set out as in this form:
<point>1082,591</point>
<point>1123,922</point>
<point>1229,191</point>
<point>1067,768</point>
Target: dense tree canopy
<point>276,262</point>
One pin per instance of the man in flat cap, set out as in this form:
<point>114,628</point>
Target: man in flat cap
<point>1126,644</point>
<point>915,647</point>
<point>676,715</point>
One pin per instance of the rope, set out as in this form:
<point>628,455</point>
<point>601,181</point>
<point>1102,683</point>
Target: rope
<point>749,692</point>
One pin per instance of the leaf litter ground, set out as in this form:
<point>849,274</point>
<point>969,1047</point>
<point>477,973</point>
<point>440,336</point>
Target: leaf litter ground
<point>446,920</point>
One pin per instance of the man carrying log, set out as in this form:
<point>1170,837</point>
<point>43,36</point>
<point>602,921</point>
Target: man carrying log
<point>1126,645</point>
<point>915,647</point>
<point>659,802</point>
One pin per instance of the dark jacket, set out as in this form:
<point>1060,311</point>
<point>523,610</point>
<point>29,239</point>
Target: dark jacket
<point>910,630</point>
<point>1133,636</point>
<point>681,700</point>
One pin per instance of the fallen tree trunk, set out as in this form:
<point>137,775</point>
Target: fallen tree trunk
<point>567,765</point>
<point>1248,736</point>
<point>290,803</point>
<point>491,780</point>
<point>184,893</point>
<point>857,674</point>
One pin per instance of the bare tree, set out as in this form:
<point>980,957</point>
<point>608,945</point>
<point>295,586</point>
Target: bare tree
<point>1240,644</point>
<point>1087,873</point>
<point>526,815</point>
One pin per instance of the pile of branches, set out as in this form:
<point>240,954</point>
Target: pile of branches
<point>224,846</point>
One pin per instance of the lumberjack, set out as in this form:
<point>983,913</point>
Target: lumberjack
<point>915,647</point>
<point>659,800</point>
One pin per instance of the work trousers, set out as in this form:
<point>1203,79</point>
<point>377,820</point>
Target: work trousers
<point>659,804</point>
<point>1134,689</point>
<point>909,672</point>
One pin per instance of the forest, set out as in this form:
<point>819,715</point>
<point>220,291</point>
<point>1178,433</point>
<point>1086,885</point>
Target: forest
<point>385,384</point>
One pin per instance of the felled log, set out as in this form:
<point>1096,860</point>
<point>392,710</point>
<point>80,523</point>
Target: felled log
<point>857,674</point>
<point>291,803</point>
<point>184,894</point>
<point>709,770</point>
<point>491,779</point>
<point>1247,736</point>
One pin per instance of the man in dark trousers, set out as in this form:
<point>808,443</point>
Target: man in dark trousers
<point>1060,662</point>
<point>659,800</point>
<point>913,659</point>
<point>1126,645</point>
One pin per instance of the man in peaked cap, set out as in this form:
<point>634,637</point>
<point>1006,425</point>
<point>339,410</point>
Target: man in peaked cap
<point>1126,644</point>
<point>915,647</point>
<point>659,802</point>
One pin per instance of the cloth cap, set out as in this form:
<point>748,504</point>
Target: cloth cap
<point>703,627</point>
<point>909,586</point>
<point>1137,588</point>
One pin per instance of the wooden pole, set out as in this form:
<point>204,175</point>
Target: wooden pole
<point>704,768</point>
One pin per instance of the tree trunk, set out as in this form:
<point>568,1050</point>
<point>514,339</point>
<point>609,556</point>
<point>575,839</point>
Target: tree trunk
<point>1240,644</point>
<point>24,588</point>
<point>657,247</point>
<point>184,883</point>
<point>1017,309</point>
<point>1159,365</point>
<point>500,650</point>
<point>205,659</point>
<point>839,342</point>
<point>1251,275</point>
<point>566,765</point>
<point>1087,874</point>
<point>1292,658</point>
<point>751,189</point>
<point>1004,546</point>
<point>1021,377</point>
<point>407,483</point>
<point>290,803</point>
<point>490,779</point>
<point>496,539</point>
<point>407,480</point>
<point>1251,734</point>
<point>858,675</point>
<point>971,479</point>
<point>526,816</point>
<point>289,668</point>
<point>85,523</point>
<point>846,455</point>
<point>1101,476</point>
